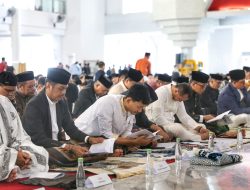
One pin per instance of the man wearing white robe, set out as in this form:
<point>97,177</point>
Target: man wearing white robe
<point>170,102</point>
<point>18,155</point>
<point>112,116</point>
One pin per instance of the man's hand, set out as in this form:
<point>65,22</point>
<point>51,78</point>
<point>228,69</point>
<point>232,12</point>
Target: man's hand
<point>95,140</point>
<point>166,136</point>
<point>204,133</point>
<point>208,117</point>
<point>12,175</point>
<point>78,150</point>
<point>142,140</point>
<point>203,130</point>
<point>23,160</point>
<point>118,152</point>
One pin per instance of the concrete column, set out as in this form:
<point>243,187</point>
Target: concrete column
<point>113,7</point>
<point>180,20</point>
<point>16,37</point>
<point>84,35</point>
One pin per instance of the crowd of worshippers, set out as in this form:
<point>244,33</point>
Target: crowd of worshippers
<point>50,120</point>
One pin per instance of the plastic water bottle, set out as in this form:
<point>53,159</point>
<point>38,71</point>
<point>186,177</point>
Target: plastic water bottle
<point>178,151</point>
<point>211,142</point>
<point>148,171</point>
<point>239,140</point>
<point>80,175</point>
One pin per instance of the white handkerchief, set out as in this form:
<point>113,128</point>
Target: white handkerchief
<point>97,181</point>
<point>106,147</point>
<point>47,175</point>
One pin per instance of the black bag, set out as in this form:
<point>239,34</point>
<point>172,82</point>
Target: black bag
<point>66,182</point>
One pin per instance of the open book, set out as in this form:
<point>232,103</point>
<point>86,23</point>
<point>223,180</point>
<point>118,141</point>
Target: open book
<point>147,133</point>
<point>106,147</point>
<point>219,117</point>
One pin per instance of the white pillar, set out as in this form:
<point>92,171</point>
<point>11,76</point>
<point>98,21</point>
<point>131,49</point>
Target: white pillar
<point>84,35</point>
<point>180,19</point>
<point>15,37</point>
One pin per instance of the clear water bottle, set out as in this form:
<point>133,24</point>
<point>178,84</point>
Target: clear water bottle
<point>80,175</point>
<point>148,171</point>
<point>211,142</point>
<point>178,151</point>
<point>239,140</point>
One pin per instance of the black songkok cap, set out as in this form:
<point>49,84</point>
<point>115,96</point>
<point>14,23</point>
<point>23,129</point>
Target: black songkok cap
<point>8,79</point>
<point>41,80</point>
<point>181,79</point>
<point>216,76</point>
<point>152,93</point>
<point>164,78</point>
<point>237,74</point>
<point>105,81</point>
<point>123,72</point>
<point>89,77</point>
<point>247,69</point>
<point>135,75</point>
<point>58,75</point>
<point>199,76</point>
<point>114,75</point>
<point>25,76</point>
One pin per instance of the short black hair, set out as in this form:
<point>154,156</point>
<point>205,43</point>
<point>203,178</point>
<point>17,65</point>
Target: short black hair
<point>100,64</point>
<point>147,54</point>
<point>41,80</point>
<point>139,93</point>
<point>184,89</point>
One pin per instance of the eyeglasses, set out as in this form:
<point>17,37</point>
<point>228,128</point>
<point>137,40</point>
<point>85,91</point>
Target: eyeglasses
<point>202,85</point>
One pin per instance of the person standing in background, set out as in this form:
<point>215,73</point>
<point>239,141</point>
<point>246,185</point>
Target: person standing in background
<point>144,65</point>
<point>3,65</point>
<point>101,68</point>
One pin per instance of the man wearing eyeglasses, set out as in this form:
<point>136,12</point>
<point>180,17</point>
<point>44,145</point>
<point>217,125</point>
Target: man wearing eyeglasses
<point>193,106</point>
<point>209,97</point>
<point>26,89</point>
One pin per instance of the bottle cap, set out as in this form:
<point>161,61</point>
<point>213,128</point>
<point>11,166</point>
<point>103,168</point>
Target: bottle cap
<point>178,140</point>
<point>149,150</point>
<point>80,159</point>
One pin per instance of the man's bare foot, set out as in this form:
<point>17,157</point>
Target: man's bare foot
<point>12,175</point>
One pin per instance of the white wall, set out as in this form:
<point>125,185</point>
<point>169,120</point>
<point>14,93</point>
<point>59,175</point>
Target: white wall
<point>223,51</point>
<point>125,49</point>
<point>220,51</point>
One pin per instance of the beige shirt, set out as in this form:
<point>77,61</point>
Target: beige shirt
<point>106,117</point>
<point>163,110</point>
<point>118,88</point>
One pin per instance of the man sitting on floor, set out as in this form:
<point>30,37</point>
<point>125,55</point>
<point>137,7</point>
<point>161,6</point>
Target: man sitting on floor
<point>26,89</point>
<point>90,94</point>
<point>170,102</point>
<point>46,117</point>
<point>16,148</point>
<point>112,116</point>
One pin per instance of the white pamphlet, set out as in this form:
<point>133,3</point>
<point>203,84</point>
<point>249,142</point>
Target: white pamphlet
<point>97,181</point>
<point>146,133</point>
<point>160,167</point>
<point>106,147</point>
<point>47,175</point>
<point>218,117</point>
